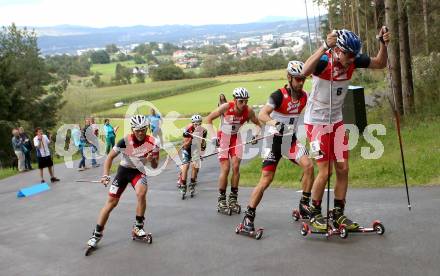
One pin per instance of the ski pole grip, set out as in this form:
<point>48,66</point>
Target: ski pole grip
<point>385,28</point>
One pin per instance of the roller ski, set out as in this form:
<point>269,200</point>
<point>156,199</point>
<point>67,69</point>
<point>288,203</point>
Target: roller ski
<point>321,226</point>
<point>222,205</point>
<point>192,189</point>
<point>338,225</point>
<point>138,234</point>
<point>338,218</point>
<point>303,212</point>
<point>92,243</point>
<point>182,190</point>
<point>179,180</point>
<point>247,226</point>
<point>232,203</point>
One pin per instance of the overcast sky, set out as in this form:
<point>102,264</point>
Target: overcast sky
<point>100,13</point>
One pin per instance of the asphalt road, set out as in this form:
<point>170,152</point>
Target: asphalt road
<point>46,234</point>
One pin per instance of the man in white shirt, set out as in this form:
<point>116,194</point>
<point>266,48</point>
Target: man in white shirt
<point>41,143</point>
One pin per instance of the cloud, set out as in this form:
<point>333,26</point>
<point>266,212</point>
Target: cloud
<point>134,12</point>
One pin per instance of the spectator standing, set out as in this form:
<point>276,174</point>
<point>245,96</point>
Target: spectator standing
<point>110,135</point>
<point>95,141</point>
<point>155,125</point>
<point>79,142</point>
<point>221,99</point>
<point>27,149</point>
<point>41,143</point>
<point>88,134</point>
<point>17,145</point>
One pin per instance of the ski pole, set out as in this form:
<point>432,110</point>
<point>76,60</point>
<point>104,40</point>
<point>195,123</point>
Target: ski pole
<point>88,181</point>
<point>397,117</point>
<point>199,137</point>
<point>227,149</point>
<point>91,181</point>
<point>329,154</point>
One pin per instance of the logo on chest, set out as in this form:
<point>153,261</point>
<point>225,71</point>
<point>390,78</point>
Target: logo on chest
<point>234,119</point>
<point>293,107</point>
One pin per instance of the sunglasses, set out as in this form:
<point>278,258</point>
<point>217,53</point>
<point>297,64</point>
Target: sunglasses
<point>349,54</point>
<point>300,79</point>
<point>242,101</point>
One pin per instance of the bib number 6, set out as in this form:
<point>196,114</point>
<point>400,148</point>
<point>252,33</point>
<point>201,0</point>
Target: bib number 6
<point>339,91</point>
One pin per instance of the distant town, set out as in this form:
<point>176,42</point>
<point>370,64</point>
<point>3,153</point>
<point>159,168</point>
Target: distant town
<point>190,53</point>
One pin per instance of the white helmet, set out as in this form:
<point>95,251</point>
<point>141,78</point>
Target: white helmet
<point>196,118</point>
<point>240,93</point>
<point>138,122</point>
<point>294,68</point>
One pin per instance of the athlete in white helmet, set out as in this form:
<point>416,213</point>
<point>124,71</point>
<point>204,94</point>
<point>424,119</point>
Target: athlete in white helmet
<point>332,66</point>
<point>281,114</point>
<point>235,114</point>
<point>194,144</point>
<point>137,150</point>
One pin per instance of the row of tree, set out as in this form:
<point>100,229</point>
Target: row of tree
<point>213,66</point>
<point>414,26</point>
<point>30,95</point>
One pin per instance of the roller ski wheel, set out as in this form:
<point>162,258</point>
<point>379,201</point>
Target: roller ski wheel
<point>296,215</point>
<point>257,234</point>
<point>342,231</point>
<point>182,190</point>
<point>225,211</point>
<point>89,250</point>
<point>304,229</point>
<point>92,243</point>
<point>378,227</point>
<point>235,209</point>
<point>192,190</point>
<point>148,238</point>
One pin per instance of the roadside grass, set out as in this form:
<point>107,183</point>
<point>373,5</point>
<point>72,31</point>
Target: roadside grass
<point>7,172</point>
<point>172,129</point>
<point>104,98</point>
<point>254,76</point>
<point>204,101</point>
<point>421,150</point>
<point>108,70</point>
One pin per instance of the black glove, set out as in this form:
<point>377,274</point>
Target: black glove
<point>215,141</point>
<point>254,140</point>
<point>280,127</point>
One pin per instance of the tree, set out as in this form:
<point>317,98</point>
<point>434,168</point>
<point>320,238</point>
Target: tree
<point>28,93</point>
<point>140,77</point>
<point>209,66</point>
<point>100,57</point>
<point>122,75</point>
<point>142,49</point>
<point>167,72</point>
<point>151,59</point>
<point>393,52</point>
<point>405,59</point>
<point>138,59</point>
<point>425,24</point>
<point>65,65</point>
<point>111,48</point>
<point>96,80</point>
<point>169,49</point>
